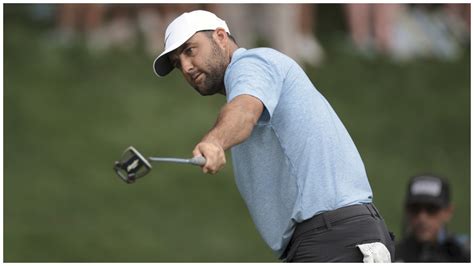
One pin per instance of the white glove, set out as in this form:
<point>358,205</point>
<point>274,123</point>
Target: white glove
<point>375,253</point>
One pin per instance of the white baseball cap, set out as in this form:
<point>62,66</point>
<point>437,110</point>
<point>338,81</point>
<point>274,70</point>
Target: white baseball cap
<point>180,30</point>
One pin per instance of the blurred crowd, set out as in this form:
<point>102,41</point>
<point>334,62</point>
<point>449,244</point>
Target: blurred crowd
<point>399,31</point>
<point>404,31</point>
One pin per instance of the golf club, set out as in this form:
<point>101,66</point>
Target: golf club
<point>134,165</point>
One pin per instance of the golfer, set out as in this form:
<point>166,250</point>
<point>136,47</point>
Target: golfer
<point>295,164</point>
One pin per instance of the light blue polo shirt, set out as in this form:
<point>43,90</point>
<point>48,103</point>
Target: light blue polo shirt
<point>299,160</point>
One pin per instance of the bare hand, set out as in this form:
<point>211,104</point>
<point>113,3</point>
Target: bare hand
<point>214,154</point>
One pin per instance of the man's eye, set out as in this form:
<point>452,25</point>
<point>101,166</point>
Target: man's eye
<point>189,51</point>
<point>176,64</point>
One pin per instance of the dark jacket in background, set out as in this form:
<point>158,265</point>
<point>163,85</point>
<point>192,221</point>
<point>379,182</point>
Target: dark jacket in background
<point>449,250</point>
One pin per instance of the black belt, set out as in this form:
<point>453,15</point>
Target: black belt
<point>325,219</point>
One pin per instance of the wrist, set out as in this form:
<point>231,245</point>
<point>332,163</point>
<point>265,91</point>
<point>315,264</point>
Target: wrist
<point>213,140</point>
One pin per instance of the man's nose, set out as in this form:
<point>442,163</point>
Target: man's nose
<point>186,66</point>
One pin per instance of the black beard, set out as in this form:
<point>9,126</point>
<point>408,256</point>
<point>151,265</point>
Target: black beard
<point>214,77</point>
<point>213,83</point>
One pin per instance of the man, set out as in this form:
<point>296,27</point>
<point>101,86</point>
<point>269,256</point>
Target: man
<point>428,209</point>
<point>295,165</point>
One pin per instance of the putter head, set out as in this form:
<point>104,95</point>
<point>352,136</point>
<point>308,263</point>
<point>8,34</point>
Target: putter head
<point>132,165</point>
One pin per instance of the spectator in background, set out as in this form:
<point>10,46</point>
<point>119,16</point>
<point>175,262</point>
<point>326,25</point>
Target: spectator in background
<point>106,26</point>
<point>458,20</point>
<point>73,19</point>
<point>371,26</point>
<point>152,21</point>
<point>102,25</point>
<point>404,32</point>
<point>428,209</point>
<point>288,28</point>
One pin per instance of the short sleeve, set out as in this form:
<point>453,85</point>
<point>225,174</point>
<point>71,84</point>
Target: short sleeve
<point>255,76</point>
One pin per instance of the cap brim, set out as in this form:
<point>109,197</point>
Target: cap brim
<point>421,199</point>
<point>162,65</point>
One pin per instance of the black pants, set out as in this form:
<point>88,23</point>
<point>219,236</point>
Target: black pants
<point>332,236</point>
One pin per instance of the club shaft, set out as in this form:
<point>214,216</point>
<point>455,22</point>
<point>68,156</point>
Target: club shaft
<point>168,160</point>
<point>194,161</point>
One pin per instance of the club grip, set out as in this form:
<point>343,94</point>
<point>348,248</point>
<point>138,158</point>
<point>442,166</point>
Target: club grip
<point>198,161</point>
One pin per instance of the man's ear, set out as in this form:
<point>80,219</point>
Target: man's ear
<point>220,37</point>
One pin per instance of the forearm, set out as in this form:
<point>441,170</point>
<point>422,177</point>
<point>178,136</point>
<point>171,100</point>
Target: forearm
<point>233,126</point>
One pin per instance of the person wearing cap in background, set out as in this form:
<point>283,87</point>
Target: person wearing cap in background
<point>428,209</point>
<point>295,165</point>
